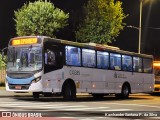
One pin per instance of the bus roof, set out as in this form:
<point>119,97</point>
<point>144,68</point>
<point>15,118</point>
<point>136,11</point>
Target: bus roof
<point>86,45</point>
<point>100,47</point>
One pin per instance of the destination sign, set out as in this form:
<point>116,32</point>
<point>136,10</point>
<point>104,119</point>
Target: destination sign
<point>24,41</point>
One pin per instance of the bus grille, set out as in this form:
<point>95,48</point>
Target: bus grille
<point>19,75</point>
<point>19,87</point>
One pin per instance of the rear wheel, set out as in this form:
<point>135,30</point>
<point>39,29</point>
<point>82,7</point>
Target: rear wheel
<point>69,91</point>
<point>124,93</point>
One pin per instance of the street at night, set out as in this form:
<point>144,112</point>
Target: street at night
<point>84,107</point>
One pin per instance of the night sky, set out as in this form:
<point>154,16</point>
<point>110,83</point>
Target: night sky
<point>128,38</point>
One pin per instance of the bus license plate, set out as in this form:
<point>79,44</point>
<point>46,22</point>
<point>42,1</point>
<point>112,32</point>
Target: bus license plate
<point>18,87</point>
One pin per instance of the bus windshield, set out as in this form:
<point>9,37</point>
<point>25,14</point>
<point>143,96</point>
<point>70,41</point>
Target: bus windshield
<point>24,58</point>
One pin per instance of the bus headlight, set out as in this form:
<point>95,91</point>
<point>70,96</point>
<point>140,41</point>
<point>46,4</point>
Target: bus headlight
<point>36,79</point>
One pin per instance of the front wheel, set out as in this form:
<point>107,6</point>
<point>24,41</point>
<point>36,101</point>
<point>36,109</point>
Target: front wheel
<point>69,91</point>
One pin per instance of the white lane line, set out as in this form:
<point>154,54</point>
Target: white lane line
<point>80,109</point>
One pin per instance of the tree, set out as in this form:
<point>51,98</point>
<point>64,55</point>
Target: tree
<point>40,18</point>
<point>2,63</point>
<point>102,22</point>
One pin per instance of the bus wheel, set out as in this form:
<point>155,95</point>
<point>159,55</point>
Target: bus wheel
<point>125,91</point>
<point>69,91</point>
<point>35,95</point>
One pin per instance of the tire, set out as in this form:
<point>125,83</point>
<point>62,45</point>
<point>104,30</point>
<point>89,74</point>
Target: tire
<point>69,91</point>
<point>125,91</point>
<point>35,95</point>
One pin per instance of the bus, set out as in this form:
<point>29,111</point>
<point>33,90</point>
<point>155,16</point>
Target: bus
<point>156,66</point>
<point>49,66</point>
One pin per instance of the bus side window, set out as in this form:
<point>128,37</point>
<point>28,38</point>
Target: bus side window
<point>126,63</point>
<point>88,58</point>
<point>115,61</point>
<point>137,64</point>
<point>73,56</point>
<point>147,65</point>
<point>102,60</point>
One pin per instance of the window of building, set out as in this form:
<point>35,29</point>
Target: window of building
<point>137,64</point>
<point>115,61</point>
<point>102,60</point>
<point>147,65</point>
<point>88,58</point>
<point>126,63</point>
<point>73,56</point>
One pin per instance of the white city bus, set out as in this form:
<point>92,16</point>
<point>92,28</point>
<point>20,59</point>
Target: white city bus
<point>45,65</point>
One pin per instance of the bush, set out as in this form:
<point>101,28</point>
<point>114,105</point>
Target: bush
<point>2,84</point>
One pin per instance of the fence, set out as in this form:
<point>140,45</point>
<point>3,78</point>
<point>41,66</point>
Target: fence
<point>2,74</point>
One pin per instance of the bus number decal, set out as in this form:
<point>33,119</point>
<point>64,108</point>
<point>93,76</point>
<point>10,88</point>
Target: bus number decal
<point>74,72</point>
<point>116,75</point>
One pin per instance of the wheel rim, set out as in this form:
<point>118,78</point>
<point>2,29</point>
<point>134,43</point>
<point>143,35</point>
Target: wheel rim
<point>125,91</point>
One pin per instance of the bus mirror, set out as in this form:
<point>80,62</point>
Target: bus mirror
<point>4,54</point>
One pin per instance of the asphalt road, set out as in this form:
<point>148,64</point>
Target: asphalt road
<point>138,106</point>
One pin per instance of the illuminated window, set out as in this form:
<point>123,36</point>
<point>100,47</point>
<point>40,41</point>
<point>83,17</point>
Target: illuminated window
<point>137,64</point>
<point>115,61</point>
<point>88,58</point>
<point>126,63</point>
<point>102,60</point>
<point>73,56</point>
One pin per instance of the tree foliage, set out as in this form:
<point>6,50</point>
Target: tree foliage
<point>40,18</point>
<point>102,22</point>
<point>2,63</point>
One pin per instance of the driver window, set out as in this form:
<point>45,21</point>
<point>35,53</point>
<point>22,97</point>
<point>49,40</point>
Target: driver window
<point>53,57</point>
<point>50,57</point>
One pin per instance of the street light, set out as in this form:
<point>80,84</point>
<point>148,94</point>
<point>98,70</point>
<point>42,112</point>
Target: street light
<point>140,27</point>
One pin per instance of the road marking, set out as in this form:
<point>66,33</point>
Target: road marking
<point>81,109</point>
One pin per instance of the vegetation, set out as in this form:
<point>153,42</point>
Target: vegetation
<point>2,63</point>
<point>102,22</point>
<point>40,18</point>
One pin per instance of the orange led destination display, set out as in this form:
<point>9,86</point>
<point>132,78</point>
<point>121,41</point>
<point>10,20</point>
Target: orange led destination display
<point>24,41</point>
